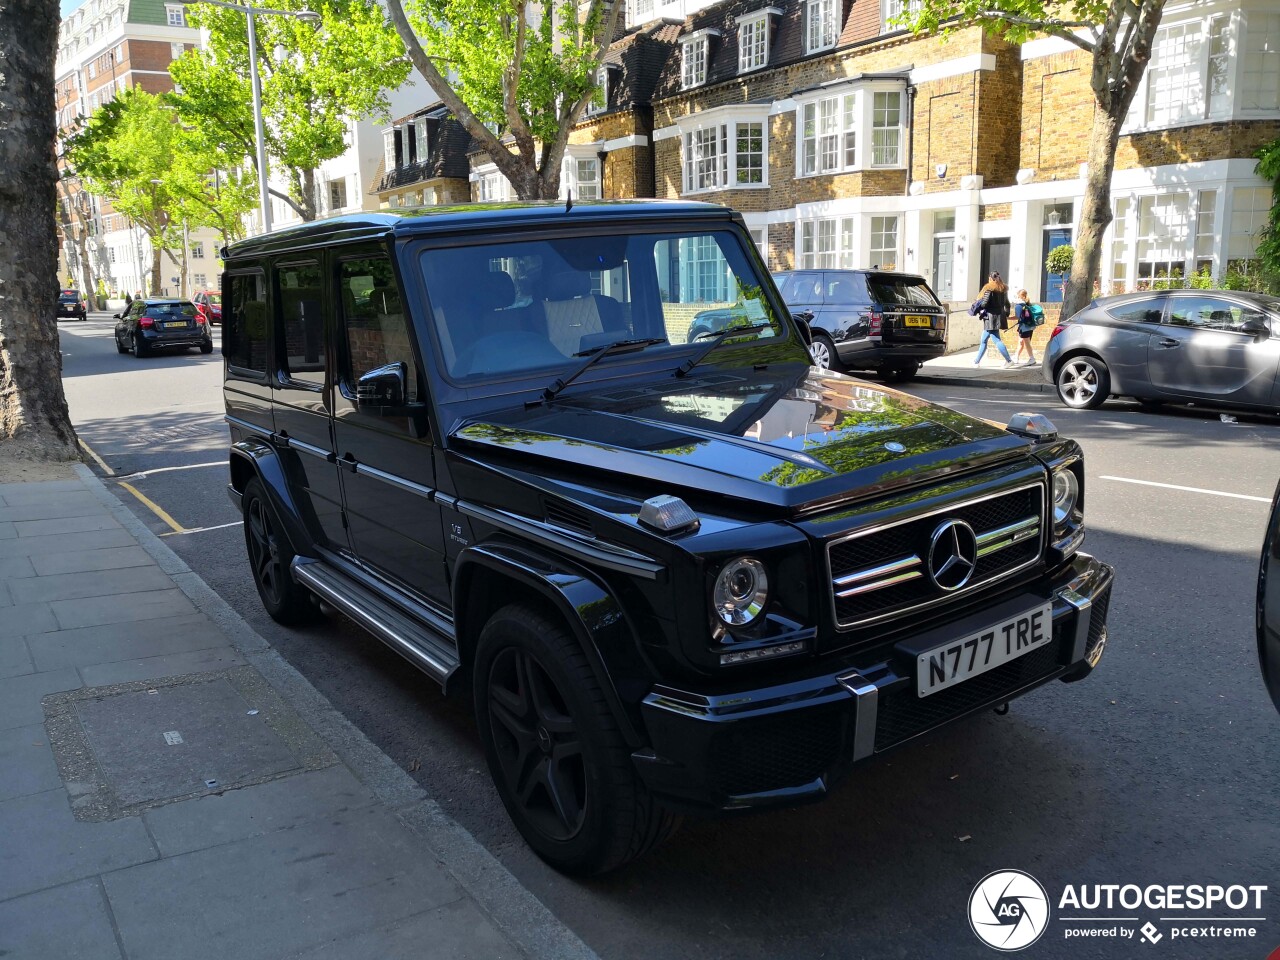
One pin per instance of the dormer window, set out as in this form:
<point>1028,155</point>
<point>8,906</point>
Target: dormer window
<point>693,58</point>
<point>753,39</point>
<point>389,149</point>
<point>176,16</point>
<point>420,147</point>
<point>821,29</point>
<point>600,99</point>
<point>411,144</point>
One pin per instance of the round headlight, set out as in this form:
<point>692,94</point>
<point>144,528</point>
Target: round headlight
<point>741,591</point>
<point>1066,491</point>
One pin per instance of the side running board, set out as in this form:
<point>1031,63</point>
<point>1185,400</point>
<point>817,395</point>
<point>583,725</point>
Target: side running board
<point>419,644</point>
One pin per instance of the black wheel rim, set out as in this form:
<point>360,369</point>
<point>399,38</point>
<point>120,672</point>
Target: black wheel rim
<point>537,744</point>
<point>264,551</point>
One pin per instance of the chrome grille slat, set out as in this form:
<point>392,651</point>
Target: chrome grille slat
<point>878,573</point>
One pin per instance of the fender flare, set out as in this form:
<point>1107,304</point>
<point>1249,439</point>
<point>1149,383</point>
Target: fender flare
<point>266,466</point>
<point>592,612</point>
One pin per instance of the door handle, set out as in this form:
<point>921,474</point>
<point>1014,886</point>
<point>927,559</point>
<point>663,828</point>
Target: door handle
<point>1168,342</point>
<point>347,462</point>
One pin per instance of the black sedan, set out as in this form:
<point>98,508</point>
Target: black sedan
<point>161,324</point>
<point>1217,347</point>
<point>71,304</point>
<point>1269,604</point>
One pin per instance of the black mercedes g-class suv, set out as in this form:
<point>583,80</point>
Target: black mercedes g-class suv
<point>676,576</point>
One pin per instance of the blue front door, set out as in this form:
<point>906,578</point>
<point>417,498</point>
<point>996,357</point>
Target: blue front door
<point>1051,283</point>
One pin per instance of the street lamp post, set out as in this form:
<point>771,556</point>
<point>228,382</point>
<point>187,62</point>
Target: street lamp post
<point>309,16</point>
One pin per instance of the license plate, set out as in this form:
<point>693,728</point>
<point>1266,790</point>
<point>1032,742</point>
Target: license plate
<point>985,650</point>
<point>917,321</point>
<point>181,325</point>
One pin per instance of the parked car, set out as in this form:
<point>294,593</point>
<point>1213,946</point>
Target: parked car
<point>675,577</point>
<point>209,306</point>
<point>1220,347</point>
<point>1268,614</point>
<point>868,320</point>
<point>71,304</point>
<point>161,324</point>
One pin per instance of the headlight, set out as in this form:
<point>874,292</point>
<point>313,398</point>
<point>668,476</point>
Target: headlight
<point>741,591</point>
<point>1066,491</point>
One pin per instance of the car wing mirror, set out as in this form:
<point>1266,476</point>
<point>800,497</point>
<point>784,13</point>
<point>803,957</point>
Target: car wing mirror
<point>1258,329</point>
<point>382,387</point>
<point>115,316</point>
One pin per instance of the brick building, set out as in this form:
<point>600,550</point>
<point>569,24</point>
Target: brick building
<point>105,47</point>
<point>846,142</point>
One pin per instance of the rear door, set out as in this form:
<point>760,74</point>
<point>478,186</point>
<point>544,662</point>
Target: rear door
<point>912,314</point>
<point>1201,352</point>
<point>386,459</point>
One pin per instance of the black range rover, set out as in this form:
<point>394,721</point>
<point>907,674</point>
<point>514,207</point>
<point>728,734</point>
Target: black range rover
<point>676,576</point>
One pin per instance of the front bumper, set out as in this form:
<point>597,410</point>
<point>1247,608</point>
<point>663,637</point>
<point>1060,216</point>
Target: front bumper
<point>792,742</point>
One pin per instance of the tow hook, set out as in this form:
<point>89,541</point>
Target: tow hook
<point>1002,710</point>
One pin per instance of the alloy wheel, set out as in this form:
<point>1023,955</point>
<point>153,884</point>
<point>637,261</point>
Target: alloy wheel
<point>264,551</point>
<point>821,354</point>
<point>538,745</point>
<point>1078,382</point>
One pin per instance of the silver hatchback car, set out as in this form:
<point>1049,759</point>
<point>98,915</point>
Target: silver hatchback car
<point>1219,347</point>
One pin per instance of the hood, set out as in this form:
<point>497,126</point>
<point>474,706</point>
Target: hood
<point>793,437</point>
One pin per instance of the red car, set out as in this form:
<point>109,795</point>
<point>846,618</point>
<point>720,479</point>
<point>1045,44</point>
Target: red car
<point>209,306</point>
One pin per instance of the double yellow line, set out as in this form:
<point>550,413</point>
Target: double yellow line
<point>146,501</point>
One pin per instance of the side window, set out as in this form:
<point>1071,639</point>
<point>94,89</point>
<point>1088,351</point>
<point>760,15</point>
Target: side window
<point>301,322</point>
<point>374,321</point>
<point>1139,311</point>
<point>841,289</point>
<point>803,289</point>
<point>1207,313</point>
<point>248,322</point>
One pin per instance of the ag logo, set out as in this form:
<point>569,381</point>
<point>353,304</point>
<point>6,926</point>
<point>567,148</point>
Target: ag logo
<point>1008,910</point>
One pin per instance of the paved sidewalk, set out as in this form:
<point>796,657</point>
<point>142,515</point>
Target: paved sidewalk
<point>958,369</point>
<point>170,788</point>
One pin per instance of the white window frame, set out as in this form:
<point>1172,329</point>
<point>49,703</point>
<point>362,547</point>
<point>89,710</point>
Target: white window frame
<point>389,149</point>
<point>821,31</point>
<point>1171,237</point>
<point>1245,222</point>
<point>337,182</point>
<point>1262,27</point>
<point>709,156</point>
<point>177,49</point>
<point>491,185</point>
<point>836,129</point>
<point>421,144</point>
<point>882,227</point>
<point>199,280</point>
<point>1175,92</point>
<point>695,58</point>
<point>197,249</point>
<point>755,32</point>
<point>175,15</point>
<point>893,8</point>
<point>881,131</point>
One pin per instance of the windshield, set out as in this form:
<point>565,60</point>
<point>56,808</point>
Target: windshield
<point>502,309</point>
<point>905,291</point>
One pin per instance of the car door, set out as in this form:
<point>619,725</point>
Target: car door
<point>845,305</point>
<point>385,454</point>
<point>1202,352</point>
<point>303,398</point>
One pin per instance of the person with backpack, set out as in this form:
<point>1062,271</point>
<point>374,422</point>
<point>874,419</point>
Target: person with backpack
<point>1029,316</point>
<point>993,306</point>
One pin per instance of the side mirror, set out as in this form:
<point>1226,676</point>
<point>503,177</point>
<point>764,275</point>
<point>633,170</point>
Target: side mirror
<point>383,386</point>
<point>115,316</point>
<point>1256,328</point>
<point>802,321</point>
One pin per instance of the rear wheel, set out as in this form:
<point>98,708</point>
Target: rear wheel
<point>120,347</point>
<point>140,348</point>
<point>561,766</point>
<point>269,558</point>
<point>823,351</point>
<point>1083,382</point>
<point>206,347</point>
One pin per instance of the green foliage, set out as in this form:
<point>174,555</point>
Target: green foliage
<point>1202,279</point>
<point>1255,276</point>
<point>1269,244</point>
<point>1060,258</point>
<point>325,76</point>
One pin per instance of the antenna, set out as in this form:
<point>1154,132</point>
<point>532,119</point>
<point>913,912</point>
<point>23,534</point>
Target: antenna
<point>568,203</point>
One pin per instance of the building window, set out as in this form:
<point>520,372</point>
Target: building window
<point>337,194</point>
<point>111,254</point>
<point>389,150</point>
<point>884,243</point>
<point>1174,87</point>
<point>886,129</point>
<point>693,62</point>
<point>411,144</point>
<point>749,155</point>
<point>176,17</point>
<point>706,273</point>
<point>826,243</point>
<point>760,237</point>
<point>197,249</point>
<point>1120,246</point>
<point>1249,209</point>
<point>599,101</point>
<point>820,25</point>
<point>93,69</point>
<point>728,154</point>
<point>896,8</point>
<point>420,144</point>
<point>1164,224</point>
<point>753,43</point>
<point>199,280</point>
<point>642,11</point>
<point>1260,89</point>
<point>1206,216</point>
<point>1220,61</point>
<point>492,188</point>
<point>705,158</point>
<point>828,141</point>
<point>587,175</point>
<point>176,50</point>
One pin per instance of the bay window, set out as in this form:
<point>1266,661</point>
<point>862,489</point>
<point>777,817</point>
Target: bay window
<point>1164,223</point>
<point>886,130</point>
<point>828,132</point>
<point>1249,209</point>
<point>1174,87</point>
<point>1260,87</point>
<point>730,154</point>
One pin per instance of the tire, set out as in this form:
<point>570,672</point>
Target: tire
<point>120,347</point>
<point>269,558</point>
<point>823,351</point>
<point>1083,382</point>
<point>554,750</point>
<point>140,348</point>
<point>206,347</point>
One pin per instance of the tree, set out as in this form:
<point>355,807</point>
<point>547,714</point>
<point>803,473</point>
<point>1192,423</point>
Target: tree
<point>1117,35</point>
<point>34,422</point>
<point>1269,245</point>
<point>525,66</point>
<point>315,81</point>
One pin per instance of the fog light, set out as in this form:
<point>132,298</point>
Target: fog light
<point>762,653</point>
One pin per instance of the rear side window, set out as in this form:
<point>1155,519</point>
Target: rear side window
<point>374,320</point>
<point>1139,311</point>
<point>247,321</point>
<point>802,288</point>
<point>842,289</point>
<point>301,321</point>
<point>901,291</point>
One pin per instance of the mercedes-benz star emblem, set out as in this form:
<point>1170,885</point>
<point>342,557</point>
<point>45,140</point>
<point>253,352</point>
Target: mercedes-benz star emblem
<point>893,446</point>
<point>953,555</point>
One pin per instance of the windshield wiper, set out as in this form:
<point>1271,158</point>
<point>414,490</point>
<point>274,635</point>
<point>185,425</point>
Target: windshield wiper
<point>598,353</point>
<point>720,337</point>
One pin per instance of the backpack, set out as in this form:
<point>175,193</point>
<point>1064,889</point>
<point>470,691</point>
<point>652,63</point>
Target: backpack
<point>1037,314</point>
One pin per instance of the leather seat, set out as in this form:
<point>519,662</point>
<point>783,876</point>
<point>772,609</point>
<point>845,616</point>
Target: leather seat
<point>573,312</point>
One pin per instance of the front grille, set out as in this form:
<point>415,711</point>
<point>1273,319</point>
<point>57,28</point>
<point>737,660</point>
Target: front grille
<point>903,714</point>
<point>785,752</point>
<point>885,572</point>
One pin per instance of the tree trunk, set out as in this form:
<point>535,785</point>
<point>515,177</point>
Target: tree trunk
<point>34,423</point>
<point>86,267</point>
<point>308,191</point>
<point>1095,211</point>
<point>156,272</point>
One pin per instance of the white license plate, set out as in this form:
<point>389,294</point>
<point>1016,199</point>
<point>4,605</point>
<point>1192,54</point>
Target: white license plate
<point>985,650</point>
<point>180,325</point>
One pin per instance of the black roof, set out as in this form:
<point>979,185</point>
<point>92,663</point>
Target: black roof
<point>469,216</point>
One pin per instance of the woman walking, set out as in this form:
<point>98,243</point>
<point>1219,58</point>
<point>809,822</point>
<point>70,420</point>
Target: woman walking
<point>993,307</point>
<point>1024,313</point>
